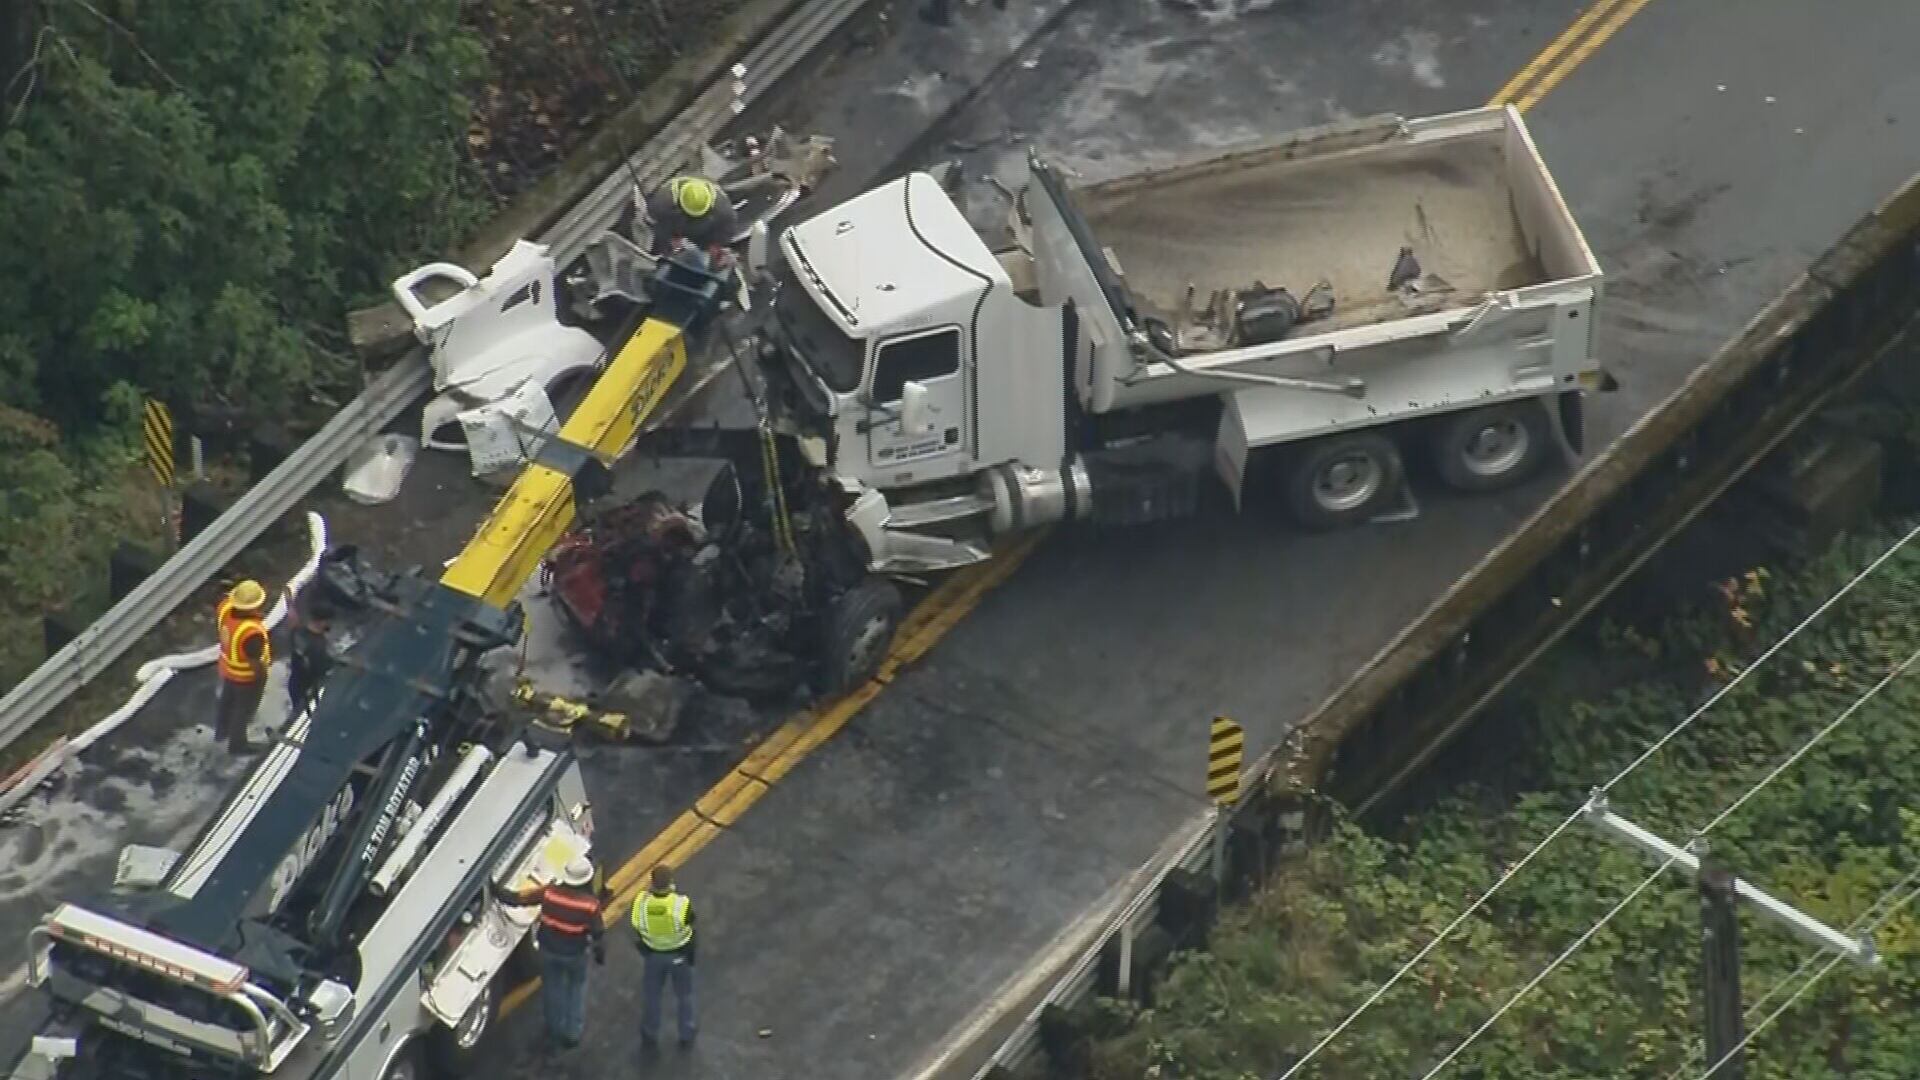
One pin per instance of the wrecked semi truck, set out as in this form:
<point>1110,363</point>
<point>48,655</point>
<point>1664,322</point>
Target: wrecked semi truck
<point>1299,320</point>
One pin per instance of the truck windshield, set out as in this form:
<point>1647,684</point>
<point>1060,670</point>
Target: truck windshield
<point>838,359</point>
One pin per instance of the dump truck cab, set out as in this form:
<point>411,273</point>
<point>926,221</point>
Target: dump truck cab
<point>912,341</point>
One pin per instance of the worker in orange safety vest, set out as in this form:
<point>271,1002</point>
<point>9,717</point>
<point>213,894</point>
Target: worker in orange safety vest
<point>570,926</point>
<point>245,654</point>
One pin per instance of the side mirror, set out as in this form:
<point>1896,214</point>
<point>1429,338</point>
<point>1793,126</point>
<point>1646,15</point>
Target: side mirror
<point>915,418</point>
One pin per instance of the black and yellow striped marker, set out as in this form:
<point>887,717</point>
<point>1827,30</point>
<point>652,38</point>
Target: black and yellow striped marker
<point>156,429</point>
<point>1226,749</point>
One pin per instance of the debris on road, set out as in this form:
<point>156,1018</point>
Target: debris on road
<point>376,470</point>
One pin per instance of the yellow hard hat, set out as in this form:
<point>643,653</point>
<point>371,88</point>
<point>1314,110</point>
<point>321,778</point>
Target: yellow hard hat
<point>247,596</point>
<point>695,196</point>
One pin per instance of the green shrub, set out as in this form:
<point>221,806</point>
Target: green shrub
<point>1830,834</point>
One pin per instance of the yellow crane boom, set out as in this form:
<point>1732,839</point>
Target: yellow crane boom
<point>539,508</point>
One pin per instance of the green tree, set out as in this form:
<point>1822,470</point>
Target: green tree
<point>192,188</point>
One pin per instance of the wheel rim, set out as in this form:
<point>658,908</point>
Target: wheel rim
<point>1496,448</point>
<point>474,1024</point>
<point>864,655</point>
<point>1347,482</point>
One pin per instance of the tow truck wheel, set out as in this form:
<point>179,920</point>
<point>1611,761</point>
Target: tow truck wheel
<point>457,1051</point>
<point>1341,479</point>
<point>1492,447</point>
<point>859,631</point>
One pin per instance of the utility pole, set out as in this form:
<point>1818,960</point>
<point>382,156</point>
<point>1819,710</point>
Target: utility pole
<point>1720,970</point>
<point>1720,893</point>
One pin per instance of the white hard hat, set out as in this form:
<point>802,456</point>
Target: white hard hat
<point>579,871</point>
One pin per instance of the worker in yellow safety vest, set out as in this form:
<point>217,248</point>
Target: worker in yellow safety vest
<point>245,654</point>
<point>692,210</point>
<point>663,925</point>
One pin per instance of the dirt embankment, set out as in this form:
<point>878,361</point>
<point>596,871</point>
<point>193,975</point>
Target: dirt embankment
<point>562,67</point>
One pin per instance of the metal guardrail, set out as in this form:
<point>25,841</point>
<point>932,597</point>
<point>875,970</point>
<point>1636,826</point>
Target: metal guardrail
<point>1854,306</point>
<point>758,71</point>
<point>110,636</point>
<point>1193,849</point>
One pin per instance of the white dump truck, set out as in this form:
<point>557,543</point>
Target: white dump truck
<point>1299,317</point>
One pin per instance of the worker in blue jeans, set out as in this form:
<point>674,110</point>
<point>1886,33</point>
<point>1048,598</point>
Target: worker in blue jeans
<point>663,929</point>
<point>569,927</point>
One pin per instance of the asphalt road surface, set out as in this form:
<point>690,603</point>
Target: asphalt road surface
<point>893,885</point>
<point>886,891</point>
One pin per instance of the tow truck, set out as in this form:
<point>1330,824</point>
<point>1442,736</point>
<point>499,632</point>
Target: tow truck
<point>332,919</point>
<point>1300,319</point>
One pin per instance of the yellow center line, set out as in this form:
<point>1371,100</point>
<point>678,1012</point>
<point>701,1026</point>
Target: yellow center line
<point>1552,54</point>
<point>1565,53</point>
<point>934,617</point>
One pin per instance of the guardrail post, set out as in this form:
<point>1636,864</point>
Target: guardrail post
<point>127,567</point>
<point>266,449</point>
<point>1123,986</point>
<point>1222,825</point>
<point>200,506</point>
<point>57,632</point>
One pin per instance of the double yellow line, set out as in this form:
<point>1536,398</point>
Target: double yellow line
<point>1566,52</point>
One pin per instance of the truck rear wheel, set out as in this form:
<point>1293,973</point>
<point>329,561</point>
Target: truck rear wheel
<point>859,631</point>
<point>1492,447</point>
<point>1341,479</point>
<point>457,1051</point>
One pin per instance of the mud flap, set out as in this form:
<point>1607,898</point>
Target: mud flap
<point>1572,417</point>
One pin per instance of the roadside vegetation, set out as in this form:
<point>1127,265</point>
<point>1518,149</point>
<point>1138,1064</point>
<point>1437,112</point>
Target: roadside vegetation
<point>1830,835</point>
<point>192,194</point>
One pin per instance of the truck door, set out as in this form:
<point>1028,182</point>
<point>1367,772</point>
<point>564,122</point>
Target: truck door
<point>938,447</point>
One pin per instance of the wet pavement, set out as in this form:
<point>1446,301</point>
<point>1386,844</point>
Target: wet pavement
<point>879,898</point>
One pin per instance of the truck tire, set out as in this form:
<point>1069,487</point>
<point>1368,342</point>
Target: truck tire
<point>1492,447</point>
<point>457,1051</point>
<point>859,631</point>
<point>1341,480</point>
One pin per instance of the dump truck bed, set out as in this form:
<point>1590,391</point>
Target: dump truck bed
<point>1466,192</point>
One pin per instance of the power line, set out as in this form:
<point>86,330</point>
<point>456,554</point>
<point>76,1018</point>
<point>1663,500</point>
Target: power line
<point>1866,924</point>
<point>1722,816</point>
<point>1542,974</point>
<point>1571,818</point>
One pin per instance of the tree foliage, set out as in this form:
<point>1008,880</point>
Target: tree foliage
<point>191,189</point>
<point>191,193</point>
<point>1832,833</point>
